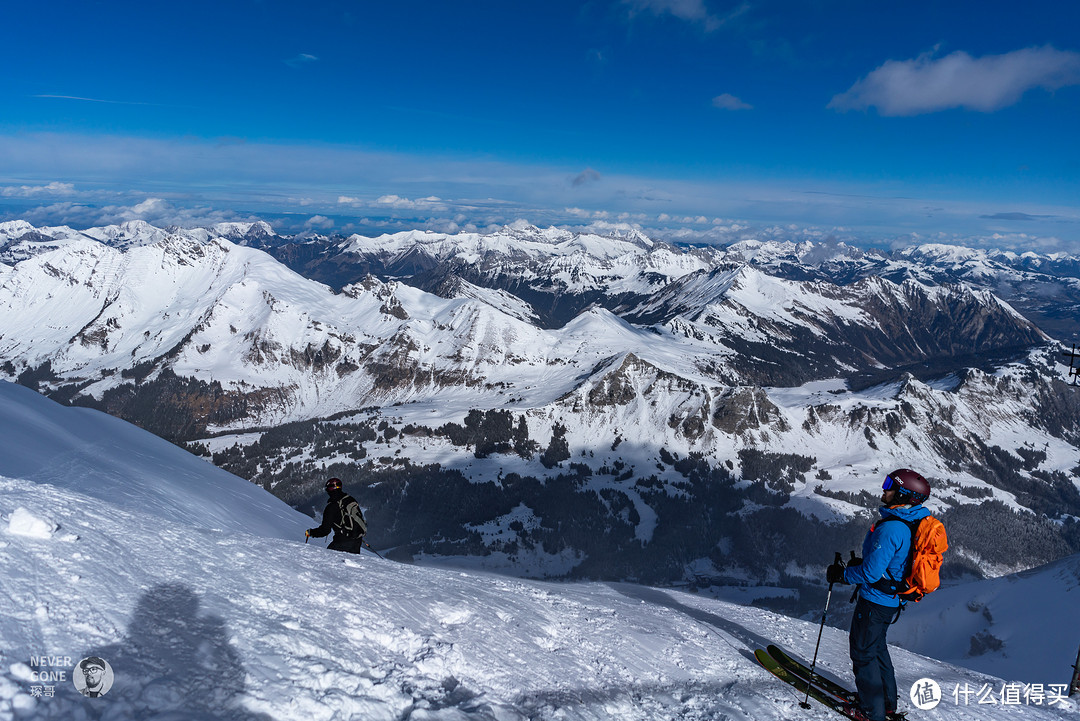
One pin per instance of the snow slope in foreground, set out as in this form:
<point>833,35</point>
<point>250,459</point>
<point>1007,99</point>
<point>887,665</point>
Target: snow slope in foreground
<point>202,619</point>
<point>1022,626</point>
<point>200,623</point>
<point>93,453</point>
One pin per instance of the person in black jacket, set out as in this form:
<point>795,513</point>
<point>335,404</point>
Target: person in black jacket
<point>343,517</point>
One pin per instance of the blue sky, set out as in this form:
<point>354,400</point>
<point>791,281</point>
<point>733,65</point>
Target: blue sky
<point>693,119</point>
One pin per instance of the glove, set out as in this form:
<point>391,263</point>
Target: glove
<point>835,573</point>
<point>854,560</point>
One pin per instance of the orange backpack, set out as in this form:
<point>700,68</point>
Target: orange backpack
<point>923,568</point>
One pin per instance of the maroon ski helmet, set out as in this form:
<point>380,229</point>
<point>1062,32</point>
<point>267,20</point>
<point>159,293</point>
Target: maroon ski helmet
<point>908,485</point>
<point>334,484</point>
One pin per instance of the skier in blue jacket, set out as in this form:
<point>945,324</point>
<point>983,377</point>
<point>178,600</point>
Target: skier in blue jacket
<point>881,570</point>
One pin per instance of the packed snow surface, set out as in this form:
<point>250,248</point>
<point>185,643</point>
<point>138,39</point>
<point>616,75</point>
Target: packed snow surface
<point>202,620</point>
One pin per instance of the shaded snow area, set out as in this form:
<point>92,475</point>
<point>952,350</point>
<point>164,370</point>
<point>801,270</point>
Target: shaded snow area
<point>1022,626</point>
<point>201,619</point>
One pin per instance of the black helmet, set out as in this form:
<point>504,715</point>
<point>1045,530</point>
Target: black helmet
<point>909,485</point>
<point>334,484</point>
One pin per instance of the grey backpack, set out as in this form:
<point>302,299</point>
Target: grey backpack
<point>352,519</point>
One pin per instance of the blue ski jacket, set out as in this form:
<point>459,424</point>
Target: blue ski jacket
<point>884,553</point>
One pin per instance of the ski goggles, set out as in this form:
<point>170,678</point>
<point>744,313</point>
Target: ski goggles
<point>890,484</point>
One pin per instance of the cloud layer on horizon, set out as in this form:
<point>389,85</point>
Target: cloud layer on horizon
<point>96,180</point>
<point>696,230</point>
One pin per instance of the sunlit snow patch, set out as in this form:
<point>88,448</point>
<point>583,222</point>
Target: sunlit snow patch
<point>25,523</point>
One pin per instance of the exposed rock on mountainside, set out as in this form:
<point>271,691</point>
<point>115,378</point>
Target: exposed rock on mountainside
<point>560,403</point>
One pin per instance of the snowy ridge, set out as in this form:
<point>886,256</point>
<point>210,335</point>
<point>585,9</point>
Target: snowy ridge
<point>578,262</point>
<point>631,398</point>
<point>205,306</point>
<point>202,623</point>
<point>215,311</point>
<point>520,239</point>
<point>108,460</point>
<point>129,234</point>
<point>505,302</point>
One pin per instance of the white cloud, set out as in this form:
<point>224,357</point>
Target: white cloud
<point>693,11</point>
<point>397,202</point>
<point>431,203</point>
<point>153,210</point>
<point>31,191</point>
<point>319,221</point>
<point>150,208</point>
<point>588,214</point>
<point>926,84</point>
<point>727,101</point>
<point>1017,242</point>
<point>301,59</point>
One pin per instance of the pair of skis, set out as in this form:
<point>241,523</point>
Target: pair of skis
<point>823,690</point>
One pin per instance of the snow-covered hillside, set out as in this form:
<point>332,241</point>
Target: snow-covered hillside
<point>201,621</point>
<point>109,460</point>
<point>994,625</point>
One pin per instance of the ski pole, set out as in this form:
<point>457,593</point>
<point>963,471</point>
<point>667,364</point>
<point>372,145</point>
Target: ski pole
<point>828,597</point>
<point>1074,687</point>
<point>373,550</point>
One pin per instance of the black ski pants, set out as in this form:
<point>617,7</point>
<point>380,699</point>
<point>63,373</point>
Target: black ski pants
<point>874,675</point>
<point>348,545</point>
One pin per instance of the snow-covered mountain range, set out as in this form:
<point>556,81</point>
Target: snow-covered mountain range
<point>239,620</point>
<point>559,403</point>
<point>104,306</point>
